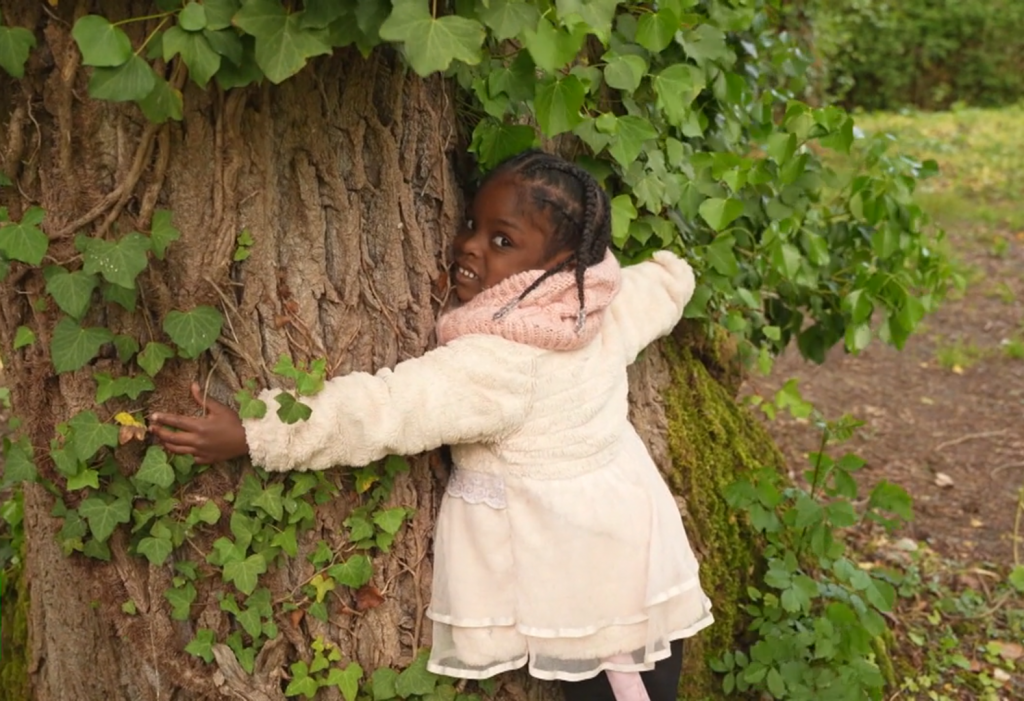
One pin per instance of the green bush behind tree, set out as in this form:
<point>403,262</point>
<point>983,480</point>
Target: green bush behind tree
<point>931,54</point>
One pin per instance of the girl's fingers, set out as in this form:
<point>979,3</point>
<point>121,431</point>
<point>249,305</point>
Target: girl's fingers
<point>175,438</point>
<point>184,423</point>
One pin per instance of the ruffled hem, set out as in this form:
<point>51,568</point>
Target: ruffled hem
<point>485,648</point>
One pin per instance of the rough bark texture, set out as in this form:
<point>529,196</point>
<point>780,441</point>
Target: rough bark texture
<point>344,177</point>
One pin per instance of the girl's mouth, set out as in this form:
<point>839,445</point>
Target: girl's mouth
<point>465,273</point>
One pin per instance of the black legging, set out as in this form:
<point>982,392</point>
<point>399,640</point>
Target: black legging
<point>662,682</point>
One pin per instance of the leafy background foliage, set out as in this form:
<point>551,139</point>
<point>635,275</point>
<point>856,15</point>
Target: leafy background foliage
<point>685,110</point>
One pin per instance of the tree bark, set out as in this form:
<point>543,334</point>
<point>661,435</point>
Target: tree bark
<point>344,176</point>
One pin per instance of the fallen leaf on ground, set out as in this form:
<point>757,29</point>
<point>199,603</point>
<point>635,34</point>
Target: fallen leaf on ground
<point>1007,650</point>
<point>943,480</point>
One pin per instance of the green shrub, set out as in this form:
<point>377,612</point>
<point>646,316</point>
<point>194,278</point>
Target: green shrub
<point>882,54</point>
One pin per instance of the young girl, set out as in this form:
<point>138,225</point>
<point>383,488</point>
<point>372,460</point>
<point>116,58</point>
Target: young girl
<point>558,544</point>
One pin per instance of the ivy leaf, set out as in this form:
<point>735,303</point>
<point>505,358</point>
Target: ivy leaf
<point>249,407</point>
<point>163,234</point>
<point>432,43</point>
<point>722,257</point>
<point>25,241</point>
<point>108,387</point>
<point>287,541</point>
<point>623,212</point>
<point>15,45</point>
<point>415,680</point>
<point>552,48</point>
<point>71,291</point>
<point>625,72</point>
<point>282,43</point>
<point>153,356</point>
<point>558,104</point>
<point>85,478</point>
<point>228,44</point>
<point>655,30</point>
<point>131,81</point>
<point>126,347</point>
<point>162,103</point>
<point>347,681</point>
<point>245,72</point>
<point>124,297</point>
<point>194,331</point>
<point>677,87</point>
<point>597,14</point>
<point>707,43</point>
<point>270,500</point>
<point>321,13</point>
<point>180,599</point>
<point>103,517</point>
<point>245,573</point>
<point>156,550</point>
<point>219,13</point>
<point>101,43</point>
<point>192,17</point>
<point>507,18</point>
<point>1016,578</point>
<point>719,213</point>
<point>202,645</point>
<point>390,520</point>
<point>155,468</point>
<point>18,465</point>
<point>24,336</point>
<point>119,262</point>
<point>382,681</point>
<point>493,141</point>
<point>291,410</point>
<point>632,132</point>
<point>202,61</point>
<point>353,572</point>
<point>90,434</point>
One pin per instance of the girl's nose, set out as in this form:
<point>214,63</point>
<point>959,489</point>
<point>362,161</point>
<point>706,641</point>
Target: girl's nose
<point>467,243</point>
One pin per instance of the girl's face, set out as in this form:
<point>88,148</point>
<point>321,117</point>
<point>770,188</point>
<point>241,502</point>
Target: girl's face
<point>504,235</point>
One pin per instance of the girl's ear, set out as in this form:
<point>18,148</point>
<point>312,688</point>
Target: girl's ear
<point>559,258</point>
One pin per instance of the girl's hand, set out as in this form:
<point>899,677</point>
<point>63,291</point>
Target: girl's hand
<point>217,436</point>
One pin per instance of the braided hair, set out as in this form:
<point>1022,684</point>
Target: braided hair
<point>577,207</point>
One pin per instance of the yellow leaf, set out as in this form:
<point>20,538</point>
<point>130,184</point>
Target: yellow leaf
<point>126,419</point>
<point>957,369</point>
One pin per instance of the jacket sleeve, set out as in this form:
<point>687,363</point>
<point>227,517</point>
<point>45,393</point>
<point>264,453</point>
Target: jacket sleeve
<point>651,301</point>
<point>475,389</point>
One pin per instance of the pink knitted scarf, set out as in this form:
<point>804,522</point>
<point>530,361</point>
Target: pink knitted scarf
<point>547,317</point>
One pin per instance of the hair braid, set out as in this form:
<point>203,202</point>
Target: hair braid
<point>578,209</point>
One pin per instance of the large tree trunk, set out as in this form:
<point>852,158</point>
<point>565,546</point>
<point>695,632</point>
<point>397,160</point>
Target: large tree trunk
<point>344,177</point>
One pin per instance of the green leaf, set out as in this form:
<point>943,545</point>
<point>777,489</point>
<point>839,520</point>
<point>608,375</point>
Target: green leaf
<point>893,498</point>
<point>282,44</point>
<point>180,599</point>
<point>101,43</point>
<point>719,213</point>
<point>1016,578</point>
<point>390,520</point>
<point>655,30</point>
<point>321,13</point>
<point>192,18</point>
<point>551,47</point>
<point>125,297</point>
<point>786,258</point>
<point>228,44</point>
<point>24,336</point>
<point>623,212</point>
<point>72,346</point>
<point>71,291</point>
<point>353,573</point>
<point>90,434</point>
<point>722,256</point>
<point>97,550</point>
<point>162,103</point>
<point>194,331</point>
<point>291,410</point>
<point>286,540</point>
<point>25,241</point>
<point>18,465</point>
<point>202,645</point>
<point>119,262</point>
<point>208,513</point>
<point>558,104</point>
<point>85,478</point>
<point>493,142</point>
<point>219,13</point>
<point>631,132</point>
<point>153,356</point>
<point>155,468</point>
<point>432,43</point>
<point>506,18</point>
<point>382,681</point>
<point>103,517</point>
<point>347,681</point>
<point>249,407</point>
<point>781,147</point>
<point>415,680</point>
<point>625,72</point>
<point>156,550</point>
<point>598,15</point>
<point>707,43</point>
<point>128,82</point>
<point>245,574</point>
<point>271,501</point>
<point>245,72</point>
<point>15,45</point>
<point>202,61</point>
<point>301,682</point>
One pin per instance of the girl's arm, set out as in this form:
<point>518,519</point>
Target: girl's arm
<point>477,388</point>
<point>651,301</point>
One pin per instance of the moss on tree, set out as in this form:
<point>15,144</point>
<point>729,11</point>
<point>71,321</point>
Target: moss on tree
<point>14,679</point>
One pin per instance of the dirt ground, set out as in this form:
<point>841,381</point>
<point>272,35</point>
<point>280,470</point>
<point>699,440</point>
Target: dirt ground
<point>944,418</point>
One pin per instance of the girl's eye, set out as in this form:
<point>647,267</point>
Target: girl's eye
<point>501,241</point>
